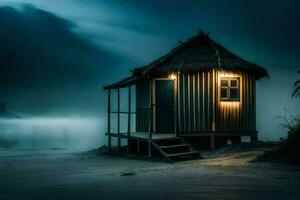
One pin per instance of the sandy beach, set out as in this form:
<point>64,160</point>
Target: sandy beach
<point>61,174</point>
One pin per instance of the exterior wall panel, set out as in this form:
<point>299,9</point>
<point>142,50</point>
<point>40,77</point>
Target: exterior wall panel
<point>194,102</point>
<point>201,110</point>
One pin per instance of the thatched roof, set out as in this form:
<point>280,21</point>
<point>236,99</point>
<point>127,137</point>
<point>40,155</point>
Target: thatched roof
<point>198,53</point>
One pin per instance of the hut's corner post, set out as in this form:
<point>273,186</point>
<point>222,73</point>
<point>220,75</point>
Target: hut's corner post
<point>176,102</point>
<point>108,121</point>
<point>129,120</point>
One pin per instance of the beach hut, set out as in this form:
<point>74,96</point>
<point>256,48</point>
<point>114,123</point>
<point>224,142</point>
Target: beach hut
<point>199,91</point>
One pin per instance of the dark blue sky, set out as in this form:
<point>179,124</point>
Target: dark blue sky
<point>56,55</point>
<point>82,40</point>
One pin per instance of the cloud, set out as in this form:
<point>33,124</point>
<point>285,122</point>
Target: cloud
<point>39,49</point>
<point>265,31</point>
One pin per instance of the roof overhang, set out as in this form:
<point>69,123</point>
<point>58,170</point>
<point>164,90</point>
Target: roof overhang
<point>204,54</point>
<point>199,53</point>
<point>123,83</point>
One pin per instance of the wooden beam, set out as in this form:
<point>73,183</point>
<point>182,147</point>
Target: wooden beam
<point>207,101</point>
<point>129,116</point>
<point>184,121</point>
<point>116,112</point>
<point>179,121</point>
<point>118,119</point>
<point>151,110</point>
<point>108,121</point>
<point>117,135</point>
<point>176,86</point>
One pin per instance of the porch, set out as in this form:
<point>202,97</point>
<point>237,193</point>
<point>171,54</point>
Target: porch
<point>145,137</point>
<point>186,122</point>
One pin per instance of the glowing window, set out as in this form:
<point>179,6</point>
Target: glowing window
<point>229,89</point>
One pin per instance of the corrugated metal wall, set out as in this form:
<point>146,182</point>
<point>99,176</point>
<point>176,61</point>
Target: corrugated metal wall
<point>237,116</point>
<point>195,105</point>
<point>199,107</point>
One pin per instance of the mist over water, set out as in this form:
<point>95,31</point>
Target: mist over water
<point>66,69</point>
<point>49,133</point>
<point>273,97</point>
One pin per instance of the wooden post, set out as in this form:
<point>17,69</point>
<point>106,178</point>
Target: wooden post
<point>151,119</point>
<point>149,149</point>
<point>151,111</point>
<point>129,120</point>
<point>212,142</point>
<point>119,136</point>
<point>176,104</point>
<point>108,122</point>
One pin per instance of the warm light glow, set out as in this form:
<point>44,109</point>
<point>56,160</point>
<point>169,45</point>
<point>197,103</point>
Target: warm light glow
<point>227,74</point>
<point>172,76</point>
<point>230,104</point>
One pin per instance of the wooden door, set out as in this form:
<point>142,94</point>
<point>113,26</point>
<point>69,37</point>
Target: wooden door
<point>164,106</point>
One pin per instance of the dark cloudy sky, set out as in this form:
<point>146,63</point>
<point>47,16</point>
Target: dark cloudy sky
<point>56,55</point>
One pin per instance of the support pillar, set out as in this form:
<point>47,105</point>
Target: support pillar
<point>149,149</point>
<point>129,119</point>
<point>108,122</point>
<point>176,104</point>
<point>109,144</point>
<point>151,110</point>
<point>119,138</point>
<point>212,142</point>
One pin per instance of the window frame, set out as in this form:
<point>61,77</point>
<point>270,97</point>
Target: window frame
<point>228,87</point>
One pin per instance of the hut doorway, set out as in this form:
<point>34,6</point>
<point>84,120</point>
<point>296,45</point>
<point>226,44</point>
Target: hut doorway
<point>164,105</point>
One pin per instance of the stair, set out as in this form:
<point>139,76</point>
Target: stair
<point>175,148</point>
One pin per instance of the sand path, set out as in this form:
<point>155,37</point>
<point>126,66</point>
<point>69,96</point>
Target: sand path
<point>59,174</point>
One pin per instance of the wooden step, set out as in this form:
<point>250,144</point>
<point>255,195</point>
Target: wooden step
<point>190,153</point>
<point>174,146</point>
<point>178,148</point>
<point>167,138</point>
<point>168,142</point>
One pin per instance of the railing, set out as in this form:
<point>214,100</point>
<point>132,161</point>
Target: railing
<point>143,118</point>
<point>118,112</point>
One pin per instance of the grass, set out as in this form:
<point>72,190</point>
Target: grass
<point>288,150</point>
